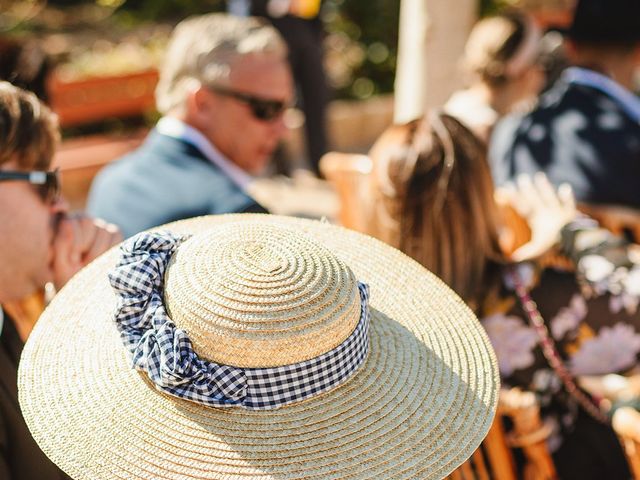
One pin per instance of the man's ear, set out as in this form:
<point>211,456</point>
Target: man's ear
<point>200,103</point>
<point>203,97</point>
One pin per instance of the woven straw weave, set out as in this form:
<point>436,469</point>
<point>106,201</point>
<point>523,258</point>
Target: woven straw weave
<point>416,409</point>
<point>259,296</point>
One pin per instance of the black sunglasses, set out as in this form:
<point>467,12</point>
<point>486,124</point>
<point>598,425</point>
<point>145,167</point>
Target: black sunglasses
<point>47,183</point>
<point>261,108</point>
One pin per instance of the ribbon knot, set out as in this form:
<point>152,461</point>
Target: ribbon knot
<point>156,347</point>
<point>165,353</point>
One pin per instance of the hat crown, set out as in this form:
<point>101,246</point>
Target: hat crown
<point>253,296</point>
<point>264,259</point>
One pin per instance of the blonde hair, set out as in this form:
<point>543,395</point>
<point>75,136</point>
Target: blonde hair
<point>203,49</point>
<point>495,41</point>
<point>28,129</point>
<point>433,199</point>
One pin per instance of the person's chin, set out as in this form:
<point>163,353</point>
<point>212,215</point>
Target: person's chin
<point>23,289</point>
<point>259,163</point>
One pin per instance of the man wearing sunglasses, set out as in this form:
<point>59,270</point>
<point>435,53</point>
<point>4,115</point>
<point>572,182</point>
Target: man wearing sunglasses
<point>223,90</point>
<point>39,243</point>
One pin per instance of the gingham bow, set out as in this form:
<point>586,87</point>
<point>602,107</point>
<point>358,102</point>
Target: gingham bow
<point>156,346</point>
<point>165,353</point>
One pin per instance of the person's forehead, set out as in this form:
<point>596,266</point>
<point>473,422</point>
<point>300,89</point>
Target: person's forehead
<point>266,75</point>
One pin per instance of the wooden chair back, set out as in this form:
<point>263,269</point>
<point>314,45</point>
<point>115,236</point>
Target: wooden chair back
<point>626,424</point>
<point>347,173</point>
<point>494,458</point>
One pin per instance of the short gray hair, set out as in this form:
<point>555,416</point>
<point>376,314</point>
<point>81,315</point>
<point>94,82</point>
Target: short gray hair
<point>202,49</point>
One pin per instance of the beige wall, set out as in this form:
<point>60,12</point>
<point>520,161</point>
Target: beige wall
<point>432,38</point>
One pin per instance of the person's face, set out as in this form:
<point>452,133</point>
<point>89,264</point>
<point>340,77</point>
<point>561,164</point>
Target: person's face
<point>27,225</point>
<point>526,86</point>
<point>533,81</point>
<point>233,126</point>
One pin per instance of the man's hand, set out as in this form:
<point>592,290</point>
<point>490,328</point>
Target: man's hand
<point>79,239</point>
<point>546,210</point>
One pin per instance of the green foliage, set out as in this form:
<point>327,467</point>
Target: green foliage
<point>491,7</point>
<point>361,44</point>
<point>371,27</point>
<point>132,12</point>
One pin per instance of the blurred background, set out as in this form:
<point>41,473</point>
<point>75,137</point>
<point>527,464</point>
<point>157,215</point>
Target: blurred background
<point>103,57</point>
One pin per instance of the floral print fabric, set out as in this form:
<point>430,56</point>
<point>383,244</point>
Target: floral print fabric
<point>592,315</point>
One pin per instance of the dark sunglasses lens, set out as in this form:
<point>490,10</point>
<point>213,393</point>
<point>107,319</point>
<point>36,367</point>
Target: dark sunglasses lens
<point>266,110</point>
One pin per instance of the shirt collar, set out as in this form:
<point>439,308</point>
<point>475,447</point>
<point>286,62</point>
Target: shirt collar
<point>175,128</point>
<point>1,320</point>
<point>590,78</point>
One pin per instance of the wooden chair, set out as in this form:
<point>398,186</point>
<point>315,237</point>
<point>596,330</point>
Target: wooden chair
<point>348,173</point>
<point>494,458</point>
<point>626,423</point>
<point>79,102</point>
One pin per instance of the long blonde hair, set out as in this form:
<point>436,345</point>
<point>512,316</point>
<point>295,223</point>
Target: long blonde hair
<point>433,199</point>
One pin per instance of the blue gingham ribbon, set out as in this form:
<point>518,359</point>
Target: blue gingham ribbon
<point>165,353</point>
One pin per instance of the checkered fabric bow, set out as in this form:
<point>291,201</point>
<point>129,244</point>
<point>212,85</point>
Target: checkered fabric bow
<point>165,353</point>
<point>154,343</point>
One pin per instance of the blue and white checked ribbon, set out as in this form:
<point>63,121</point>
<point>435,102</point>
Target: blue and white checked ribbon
<point>165,353</point>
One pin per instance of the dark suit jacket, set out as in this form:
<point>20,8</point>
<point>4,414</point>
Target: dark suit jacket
<point>578,135</point>
<point>165,179</point>
<point>20,456</point>
<point>305,39</point>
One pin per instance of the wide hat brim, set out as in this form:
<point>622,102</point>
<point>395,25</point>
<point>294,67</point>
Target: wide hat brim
<point>419,406</point>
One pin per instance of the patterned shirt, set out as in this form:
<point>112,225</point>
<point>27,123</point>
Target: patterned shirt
<point>584,131</point>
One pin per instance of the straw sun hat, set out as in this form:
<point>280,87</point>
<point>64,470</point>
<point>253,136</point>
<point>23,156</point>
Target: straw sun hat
<point>293,367</point>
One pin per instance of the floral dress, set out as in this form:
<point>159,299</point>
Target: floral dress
<point>591,314</point>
